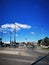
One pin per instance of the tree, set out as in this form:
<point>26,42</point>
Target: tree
<point>45,41</point>
<point>39,42</point>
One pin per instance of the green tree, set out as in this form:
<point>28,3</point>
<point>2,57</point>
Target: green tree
<point>45,41</point>
<point>39,42</point>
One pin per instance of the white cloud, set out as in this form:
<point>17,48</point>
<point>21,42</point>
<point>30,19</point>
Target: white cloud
<point>8,26</point>
<point>22,25</point>
<point>16,35</point>
<point>32,32</point>
<point>12,26</point>
<point>16,26</point>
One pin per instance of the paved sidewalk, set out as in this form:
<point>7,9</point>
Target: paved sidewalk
<point>39,49</point>
<point>17,51</point>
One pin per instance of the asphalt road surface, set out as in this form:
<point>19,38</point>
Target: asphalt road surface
<point>6,59</point>
<point>9,59</point>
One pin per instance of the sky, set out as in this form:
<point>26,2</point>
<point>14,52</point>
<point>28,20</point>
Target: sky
<point>28,18</point>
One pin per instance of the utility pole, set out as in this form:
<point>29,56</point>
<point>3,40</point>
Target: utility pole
<point>15,35</point>
<point>10,39</point>
<point>26,40</point>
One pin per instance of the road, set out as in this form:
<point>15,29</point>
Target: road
<point>44,61</point>
<point>13,59</point>
<point>6,59</point>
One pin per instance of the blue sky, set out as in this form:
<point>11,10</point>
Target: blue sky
<point>30,16</point>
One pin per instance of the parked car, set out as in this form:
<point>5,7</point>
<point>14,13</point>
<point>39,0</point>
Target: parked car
<point>15,44</point>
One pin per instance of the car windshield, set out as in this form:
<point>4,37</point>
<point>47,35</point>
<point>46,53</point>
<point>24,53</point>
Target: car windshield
<point>24,32</point>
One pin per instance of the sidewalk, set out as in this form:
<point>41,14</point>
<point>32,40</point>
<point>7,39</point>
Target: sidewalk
<point>16,51</point>
<point>39,49</point>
